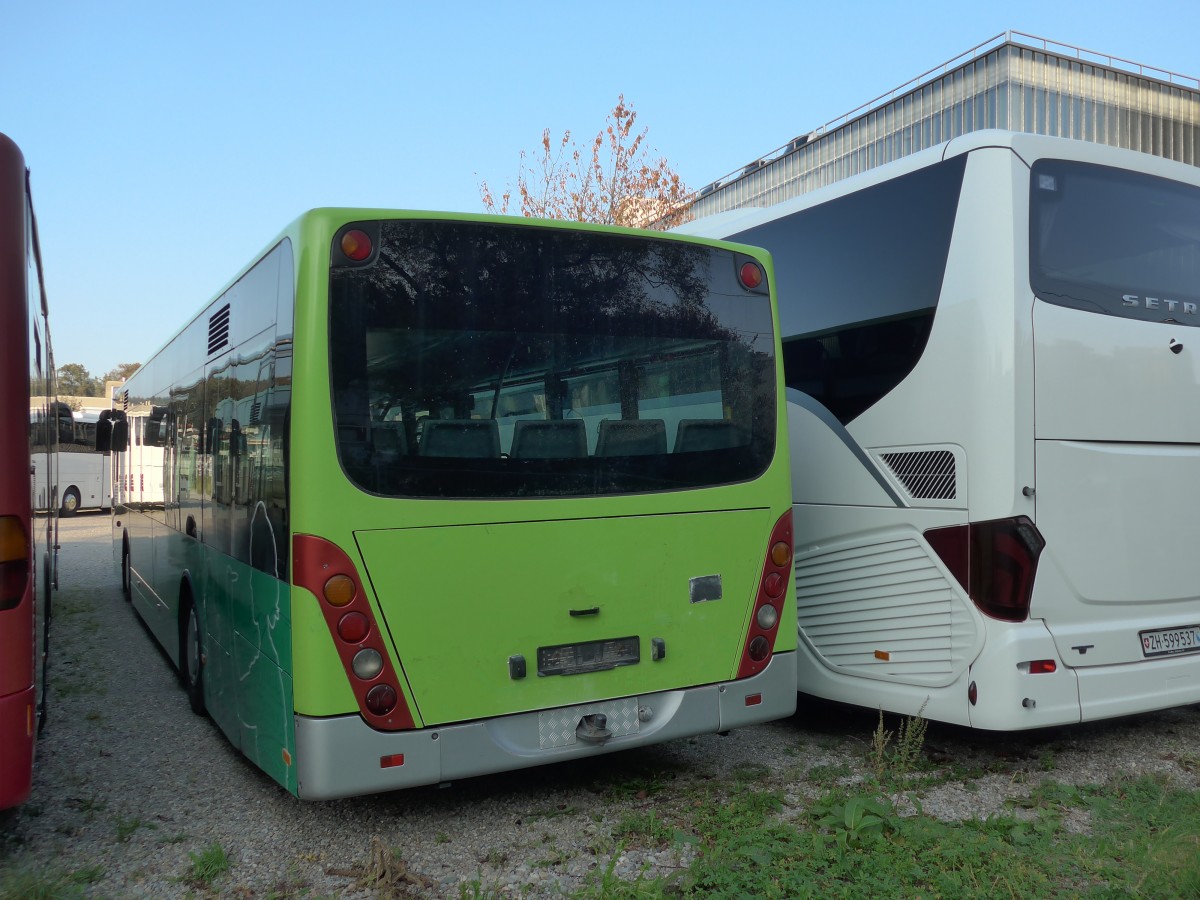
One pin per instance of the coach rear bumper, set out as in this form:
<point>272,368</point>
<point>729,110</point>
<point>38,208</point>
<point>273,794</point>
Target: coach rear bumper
<point>343,756</point>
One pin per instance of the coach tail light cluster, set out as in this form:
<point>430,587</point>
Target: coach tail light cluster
<point>328,572</point>
<point>772,590</point>
<point>994,561</point>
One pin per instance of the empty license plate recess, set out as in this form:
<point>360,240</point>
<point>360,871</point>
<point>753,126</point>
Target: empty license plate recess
<point>591,656</point>
<point>1167,641</point>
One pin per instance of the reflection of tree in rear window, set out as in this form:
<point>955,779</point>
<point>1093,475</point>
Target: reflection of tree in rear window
<point>472,322</point>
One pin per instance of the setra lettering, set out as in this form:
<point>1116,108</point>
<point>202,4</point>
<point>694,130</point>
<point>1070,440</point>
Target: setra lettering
<point>1137,302</point>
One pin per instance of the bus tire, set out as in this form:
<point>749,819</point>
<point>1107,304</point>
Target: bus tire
<point>43,702</point>
<point>126,575</point>
<point>70,502</point>
<point>46,597</point>
<point>191,657</point>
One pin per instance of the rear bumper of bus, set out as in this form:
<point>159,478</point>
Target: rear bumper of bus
<point>343,756</point>
<point>1014,695</point>
<point>16,734</point>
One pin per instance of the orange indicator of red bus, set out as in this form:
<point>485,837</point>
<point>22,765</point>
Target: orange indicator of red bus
<point>356,244</point>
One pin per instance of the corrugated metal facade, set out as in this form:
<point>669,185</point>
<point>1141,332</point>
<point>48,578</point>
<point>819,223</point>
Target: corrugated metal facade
<point>1024,84</point>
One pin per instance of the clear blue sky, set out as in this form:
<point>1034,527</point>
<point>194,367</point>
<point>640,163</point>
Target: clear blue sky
<point>169,142</point>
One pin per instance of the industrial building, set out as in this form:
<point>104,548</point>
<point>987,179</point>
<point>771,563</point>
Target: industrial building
<point>1013,81</point>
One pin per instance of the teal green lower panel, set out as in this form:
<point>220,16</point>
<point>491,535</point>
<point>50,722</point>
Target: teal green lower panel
<point>266,724</point>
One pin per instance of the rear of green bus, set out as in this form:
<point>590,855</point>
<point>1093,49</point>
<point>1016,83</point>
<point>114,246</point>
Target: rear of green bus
<point>539,495</point>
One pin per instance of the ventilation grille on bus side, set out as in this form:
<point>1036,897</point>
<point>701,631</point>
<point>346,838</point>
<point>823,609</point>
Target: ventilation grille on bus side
<point>925,474</point>
<point>884,610</point>
<point>218,330</point>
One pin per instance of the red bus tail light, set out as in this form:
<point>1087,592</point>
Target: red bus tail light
<point>994,561</point>
<point>14,561</point>
<point>329,573</point>
<point>768,604</point>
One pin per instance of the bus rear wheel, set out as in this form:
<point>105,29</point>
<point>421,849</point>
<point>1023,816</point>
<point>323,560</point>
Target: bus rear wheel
<point>71,501</point>
<point>126,576</point>
<point>192,659</point>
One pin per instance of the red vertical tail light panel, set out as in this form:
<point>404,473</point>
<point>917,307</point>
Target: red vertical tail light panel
<point>994,561</point>
<point>323,568</point>
<point>768,604</point>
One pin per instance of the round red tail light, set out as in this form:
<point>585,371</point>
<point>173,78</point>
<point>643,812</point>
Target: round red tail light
<point>356,244</point>
<point>773,585</point>
<point>353,628</point>
<point>381,699</point>
<point>760,648</point>
<point>751,275</point>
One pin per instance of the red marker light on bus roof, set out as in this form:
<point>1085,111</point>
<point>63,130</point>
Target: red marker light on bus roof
<point>356,244</point>
<point>751,275</point>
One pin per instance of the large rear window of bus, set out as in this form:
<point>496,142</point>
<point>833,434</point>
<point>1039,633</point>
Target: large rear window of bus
<point>1115,242</point>
<point>475,359</point>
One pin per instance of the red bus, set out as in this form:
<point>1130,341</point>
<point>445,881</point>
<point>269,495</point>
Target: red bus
<point>27,566</point>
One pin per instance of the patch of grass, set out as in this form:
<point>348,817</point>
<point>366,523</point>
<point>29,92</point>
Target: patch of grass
<point>646,828</point>
<point>88,875</point>
<point>640,785</point>
<point>207,866</point>
<point>89,806</point>
<point>28,885</point>
<point>605,884</point>
<point>829,773</point>
<point>1145,841</point>
<point>127,827</point>
<point>477,890</point>
<point>896,755</point>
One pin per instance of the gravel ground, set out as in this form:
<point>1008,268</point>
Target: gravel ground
<point>130,784</point>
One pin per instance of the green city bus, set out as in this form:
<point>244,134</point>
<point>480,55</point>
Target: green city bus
<point>446,495</point>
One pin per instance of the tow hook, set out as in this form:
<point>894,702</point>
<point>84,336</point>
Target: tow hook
<point>593,729</point>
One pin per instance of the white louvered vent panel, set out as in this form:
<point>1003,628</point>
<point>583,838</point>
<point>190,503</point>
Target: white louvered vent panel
<point>888,598</point>
<point>925,474</point>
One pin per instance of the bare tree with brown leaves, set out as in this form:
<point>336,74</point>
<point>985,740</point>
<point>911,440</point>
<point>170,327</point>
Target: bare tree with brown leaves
<point>615,181</point>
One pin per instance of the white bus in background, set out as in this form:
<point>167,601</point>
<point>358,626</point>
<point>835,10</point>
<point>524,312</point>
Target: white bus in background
<point>137,478</point>
<point>993,363</point>
<point>84,475</point>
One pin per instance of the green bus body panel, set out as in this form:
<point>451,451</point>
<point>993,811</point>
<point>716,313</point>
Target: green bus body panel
<point>321,686</point>
<point>459,601</point>
<point>248,681</point>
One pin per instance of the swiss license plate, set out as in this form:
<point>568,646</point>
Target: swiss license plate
<point>1166,641</point>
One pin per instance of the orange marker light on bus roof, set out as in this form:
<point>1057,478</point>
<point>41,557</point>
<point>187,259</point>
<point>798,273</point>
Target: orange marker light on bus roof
<point>356,244</point>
